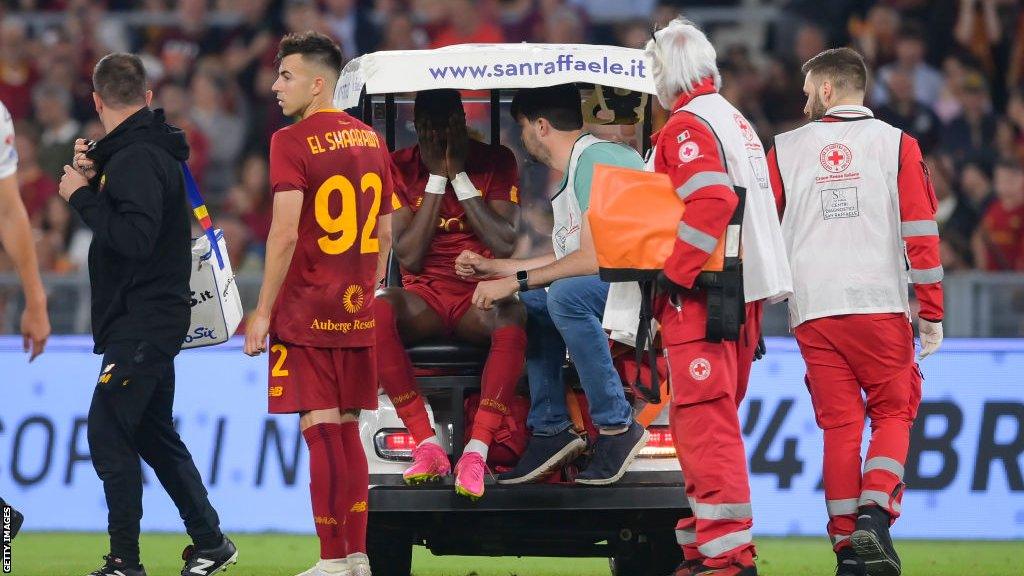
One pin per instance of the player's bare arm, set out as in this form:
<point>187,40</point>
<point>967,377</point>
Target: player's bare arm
<point>384,236</point>
<point>492,221</point>
<point>16,236</point>
<point>413,232</point>
<point>284,233</point>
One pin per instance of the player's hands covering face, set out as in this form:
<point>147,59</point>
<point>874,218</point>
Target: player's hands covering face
<point>432,148</point>
<point>458,144</point>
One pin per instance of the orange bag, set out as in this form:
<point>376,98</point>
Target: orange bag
<point>634,217</point>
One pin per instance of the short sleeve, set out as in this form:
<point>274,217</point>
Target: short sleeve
<point>287,164</point>
<point>8,150</point>
<point>602,153</point>
<point>504,184</point>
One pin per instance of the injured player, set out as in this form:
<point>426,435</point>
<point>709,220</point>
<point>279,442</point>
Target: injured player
<point>458,194</point>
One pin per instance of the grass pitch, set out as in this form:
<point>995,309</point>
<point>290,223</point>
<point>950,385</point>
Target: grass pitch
<point>74,554</point>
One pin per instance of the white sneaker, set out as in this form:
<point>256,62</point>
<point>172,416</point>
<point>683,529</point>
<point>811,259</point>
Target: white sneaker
<point>336,567</point>
<point>359,564</point>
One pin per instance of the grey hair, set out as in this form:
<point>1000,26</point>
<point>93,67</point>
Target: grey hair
<point>682,56</point>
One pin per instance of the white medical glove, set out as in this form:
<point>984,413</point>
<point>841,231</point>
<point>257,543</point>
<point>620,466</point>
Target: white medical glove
<point>931,337</point>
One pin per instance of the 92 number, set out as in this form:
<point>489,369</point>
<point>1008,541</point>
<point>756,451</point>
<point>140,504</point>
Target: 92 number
<point>342,229</point>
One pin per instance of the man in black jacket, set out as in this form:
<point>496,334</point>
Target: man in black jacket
<point>129,189</point>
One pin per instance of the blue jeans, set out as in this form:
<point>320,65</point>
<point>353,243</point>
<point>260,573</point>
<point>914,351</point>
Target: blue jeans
<point>568,315</point>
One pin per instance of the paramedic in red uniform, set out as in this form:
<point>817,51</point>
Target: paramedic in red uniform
<point>709,150</point>
<point>457,194</point>
<point>858,217</point>
<point>331,178</point>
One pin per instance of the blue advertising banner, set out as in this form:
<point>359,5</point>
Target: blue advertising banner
<point>964,470</point>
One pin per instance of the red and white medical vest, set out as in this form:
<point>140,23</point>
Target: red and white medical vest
<point>842,217</point>
<point>766,274</point>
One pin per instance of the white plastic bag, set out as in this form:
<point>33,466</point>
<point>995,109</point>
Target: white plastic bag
<point>216,306</point>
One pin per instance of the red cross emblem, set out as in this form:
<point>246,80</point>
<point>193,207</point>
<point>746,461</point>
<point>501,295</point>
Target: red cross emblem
<point>700,369</point>
<point>835,157</point>
<point>744,126</point>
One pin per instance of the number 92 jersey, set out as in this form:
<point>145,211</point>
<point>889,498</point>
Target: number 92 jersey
<point>343,169</point>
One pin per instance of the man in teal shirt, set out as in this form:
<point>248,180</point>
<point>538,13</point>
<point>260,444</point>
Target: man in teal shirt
<point>568,314</point>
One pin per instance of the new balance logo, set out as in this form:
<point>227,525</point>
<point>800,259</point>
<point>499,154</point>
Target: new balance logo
<point>203,566</point>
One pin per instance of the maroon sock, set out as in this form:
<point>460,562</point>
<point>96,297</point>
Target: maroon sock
<point>327,485</point>
<point>394,370</point>
<point>498,382</point>
<point>357,488</point>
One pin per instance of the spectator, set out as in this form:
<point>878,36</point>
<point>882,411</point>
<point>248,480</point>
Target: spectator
<point>238,239</point>
<point>250,200</point>
<point>973,132</point>
<point>1015,65</point>
<point>955,68</point>
<point>300,16</point>
<point>999,241</point>
<point>810,41</point>
<point>909,114</point>
<point>178,48</point>
<point>742,87</point>
<point>1006,139</point>
<point>973,199</point>
<point>102,34</point>
<point>633,34</point>
<point>17,72</point>
<point>943,187</point>
<point>351,27</point>
<point>386,9</point>
<point>35,184</point>
<point>529,20</point>
<point>177,104</point>
<point>978,29</point>
<point>519,19</point>
<point>400,33</point>
<point>64,247</point>
<point>212,114</point>
<point>1015,117</point>
<point>432,15</point>
<point>910,59</point>
<point>468,23</point>
<point>563,26</point>
<point>954,231</point>
<point>62,63</point>
<point>249,44</point>
<point>876,36</point>
<point>52,105</point>
<point>787,103</point>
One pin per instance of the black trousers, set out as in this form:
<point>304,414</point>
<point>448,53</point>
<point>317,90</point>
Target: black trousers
<point>130,416</point>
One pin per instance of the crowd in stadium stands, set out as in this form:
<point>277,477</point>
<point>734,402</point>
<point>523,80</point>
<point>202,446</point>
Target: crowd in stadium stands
<point>949,72</point>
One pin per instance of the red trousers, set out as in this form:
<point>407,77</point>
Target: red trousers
<point>850,357</point>
<point>708,382</point>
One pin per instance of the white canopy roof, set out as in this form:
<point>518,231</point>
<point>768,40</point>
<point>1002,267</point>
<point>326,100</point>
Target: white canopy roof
<point>489,66</point>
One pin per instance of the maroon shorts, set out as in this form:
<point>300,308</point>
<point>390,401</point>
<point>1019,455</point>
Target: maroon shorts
<point>304,378</point>
<point>450,299</point>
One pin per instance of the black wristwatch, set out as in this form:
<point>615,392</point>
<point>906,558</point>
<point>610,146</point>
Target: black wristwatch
<point>523,278</point>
